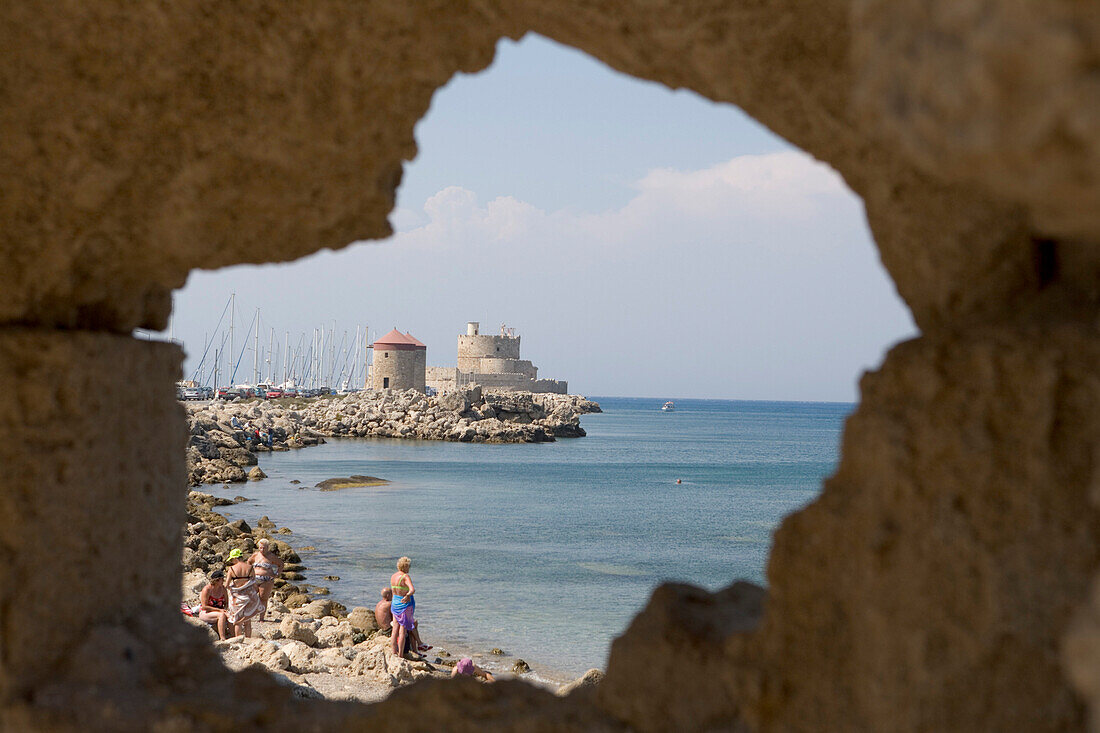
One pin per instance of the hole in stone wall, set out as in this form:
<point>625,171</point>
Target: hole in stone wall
<point>650,246</point>
<point>1046,261</point>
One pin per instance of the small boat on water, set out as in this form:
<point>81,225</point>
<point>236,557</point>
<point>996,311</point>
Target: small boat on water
<point>668,406</point>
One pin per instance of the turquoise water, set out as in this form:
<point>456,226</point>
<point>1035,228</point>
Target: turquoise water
<point>549,550</point>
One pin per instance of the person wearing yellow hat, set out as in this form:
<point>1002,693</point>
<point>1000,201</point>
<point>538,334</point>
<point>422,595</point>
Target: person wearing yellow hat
<point>244,598</point>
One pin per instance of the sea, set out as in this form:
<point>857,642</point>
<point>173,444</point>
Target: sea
<point>547,551</point>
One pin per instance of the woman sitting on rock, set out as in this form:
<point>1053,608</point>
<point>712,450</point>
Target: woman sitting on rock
<point>268,565</point>
<point>402,608</point>
<point>244,599</point>
<point>212,602</point>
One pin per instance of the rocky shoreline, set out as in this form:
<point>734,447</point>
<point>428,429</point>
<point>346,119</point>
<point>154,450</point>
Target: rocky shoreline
<point>225,437</point>
<point>308,641</point>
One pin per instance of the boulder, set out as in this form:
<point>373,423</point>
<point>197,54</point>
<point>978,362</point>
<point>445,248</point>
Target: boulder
<point>295,630</point>
<point>335,635</point>
<point>521,667</point>
<point>192,584</point>
<point>241,526</point>
<point>302,659</point>
<point>362,619</point>
<point>317,609</point>
<point>588,680</point>
<point>296,600</point>
<point>238,456</point>
<point>256,474</point>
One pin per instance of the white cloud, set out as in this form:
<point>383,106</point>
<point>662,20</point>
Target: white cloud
<point>724,201</point>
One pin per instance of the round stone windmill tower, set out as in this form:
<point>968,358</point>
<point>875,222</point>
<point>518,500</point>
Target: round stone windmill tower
<point>399,362</point>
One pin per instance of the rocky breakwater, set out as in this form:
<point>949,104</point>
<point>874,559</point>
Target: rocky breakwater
<point>468,415</point>
<point>225,437</point>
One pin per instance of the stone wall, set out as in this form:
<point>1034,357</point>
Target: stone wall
<point>942,581</point>
<point>514,383</point>
<point>523,367</point>
<point>471,349</point>
<point>441,379</point>
<point>403,368</point>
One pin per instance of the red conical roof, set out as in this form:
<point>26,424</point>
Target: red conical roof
<point>397,339</point>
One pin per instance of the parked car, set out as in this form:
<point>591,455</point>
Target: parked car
<point>290,392</point>
<point>192,393</point>
<point>274,393</point>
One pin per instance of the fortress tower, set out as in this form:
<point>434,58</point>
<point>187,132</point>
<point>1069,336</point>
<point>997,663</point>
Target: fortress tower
<point>399,362</point>
<point>493,362</point>
<point>478,354</point>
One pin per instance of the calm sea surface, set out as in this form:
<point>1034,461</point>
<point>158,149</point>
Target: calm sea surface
<point>548,551</point>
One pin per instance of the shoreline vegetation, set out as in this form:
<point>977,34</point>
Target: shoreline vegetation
<point>308,641</point>
<point>226,436</point>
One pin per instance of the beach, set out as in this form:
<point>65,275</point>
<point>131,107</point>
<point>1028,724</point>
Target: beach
<point>307,639</point>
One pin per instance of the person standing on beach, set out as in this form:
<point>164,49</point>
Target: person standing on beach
<point>244,598</point>
<point>402,608</point>
<point>268,565</point>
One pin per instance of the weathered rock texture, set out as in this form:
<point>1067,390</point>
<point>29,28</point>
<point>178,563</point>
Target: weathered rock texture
<point>76,453</point>
<point>932,586</point>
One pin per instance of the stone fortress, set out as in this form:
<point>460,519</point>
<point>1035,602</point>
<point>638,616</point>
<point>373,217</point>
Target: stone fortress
<point>494,363</point>
<point>399,362</point>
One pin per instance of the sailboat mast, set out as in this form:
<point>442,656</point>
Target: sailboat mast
<point>232,325</point>
<point>366,355</point>
<point>321,362</point>
<point>256,351</point>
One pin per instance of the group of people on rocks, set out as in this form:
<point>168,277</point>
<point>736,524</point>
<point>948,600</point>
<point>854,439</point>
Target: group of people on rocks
<point>395,612</point>
<point>240,592</point>
<point>395,617</point>
<point>236,595</point>
<point>254,435</point>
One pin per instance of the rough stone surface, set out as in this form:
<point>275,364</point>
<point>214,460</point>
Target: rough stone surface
<point>362,619</point>
<point>950,550</point>
<point>942,580</point>
<point>72,424</point>
<point>170,151</point>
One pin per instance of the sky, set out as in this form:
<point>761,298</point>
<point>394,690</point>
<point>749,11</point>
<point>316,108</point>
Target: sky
<point>643,242</point>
